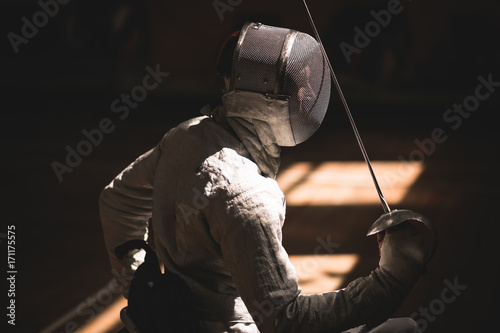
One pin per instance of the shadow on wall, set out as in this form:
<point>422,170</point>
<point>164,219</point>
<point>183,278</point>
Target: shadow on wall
<point>397,44</point>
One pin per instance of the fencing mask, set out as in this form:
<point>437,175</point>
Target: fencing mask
<point>285,72</point>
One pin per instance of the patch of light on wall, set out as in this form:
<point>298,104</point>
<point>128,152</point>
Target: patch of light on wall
<point>321,273</point>
<point>347,183</point>
<point>106,321</point>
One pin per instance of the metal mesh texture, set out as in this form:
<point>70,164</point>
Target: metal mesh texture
<point>257,62</point>
<point>306,80</point>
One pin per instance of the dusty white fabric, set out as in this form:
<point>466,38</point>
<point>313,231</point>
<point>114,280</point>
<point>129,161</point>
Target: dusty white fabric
<point>262,124</point>
<point>217,222</point>
<point>265,109</point>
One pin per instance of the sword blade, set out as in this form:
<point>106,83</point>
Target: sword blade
<point>385,206</point>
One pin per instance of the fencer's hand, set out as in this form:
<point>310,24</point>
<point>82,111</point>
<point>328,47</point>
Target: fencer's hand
<point>427,236</point>
<point>405,250</point>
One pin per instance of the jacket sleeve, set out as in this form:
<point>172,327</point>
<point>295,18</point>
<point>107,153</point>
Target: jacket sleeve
<point>125,206</point>
<point>248,220</point>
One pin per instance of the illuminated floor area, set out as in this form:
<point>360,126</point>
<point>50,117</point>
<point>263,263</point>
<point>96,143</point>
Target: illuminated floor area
<point>108,320</point>
<point>316,274</point>
<point>306,184</point>
<point>322,273</point>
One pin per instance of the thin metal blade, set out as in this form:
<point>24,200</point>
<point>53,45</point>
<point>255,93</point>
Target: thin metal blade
<point>348,111</point>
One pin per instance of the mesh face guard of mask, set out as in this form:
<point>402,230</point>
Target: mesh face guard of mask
<point>284,64</point>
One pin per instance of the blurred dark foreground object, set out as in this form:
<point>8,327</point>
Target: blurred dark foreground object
<point>157,302</point>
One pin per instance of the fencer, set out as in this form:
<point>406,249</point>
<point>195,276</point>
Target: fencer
<point>217,211</point>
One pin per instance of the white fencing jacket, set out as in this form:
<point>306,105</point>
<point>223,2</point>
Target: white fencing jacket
<point>217,223</point>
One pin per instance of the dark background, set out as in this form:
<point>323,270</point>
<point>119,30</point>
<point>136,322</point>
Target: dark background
<point>399,86</point>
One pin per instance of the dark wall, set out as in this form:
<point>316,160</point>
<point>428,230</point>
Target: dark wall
<point>101,46</point>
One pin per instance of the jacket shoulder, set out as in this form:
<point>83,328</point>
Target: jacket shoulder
<point>229,172</point>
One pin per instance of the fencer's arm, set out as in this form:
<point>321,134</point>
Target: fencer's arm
<point>125,206</point>
<point>248,229</point>
<point>367,300</point>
